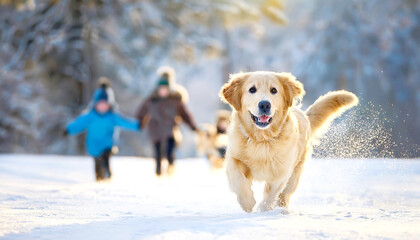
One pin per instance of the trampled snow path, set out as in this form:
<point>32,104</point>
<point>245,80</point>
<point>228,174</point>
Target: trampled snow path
<point>55,197</point>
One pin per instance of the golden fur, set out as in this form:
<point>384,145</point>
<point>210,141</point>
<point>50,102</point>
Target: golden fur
<point>275,153</point>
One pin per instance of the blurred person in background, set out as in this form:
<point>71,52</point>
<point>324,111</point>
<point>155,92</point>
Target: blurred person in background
<point>212,139</point>
<point>222,124</point>
<point>105,83</point>
<point>100,122</point>
<point>163,110</point>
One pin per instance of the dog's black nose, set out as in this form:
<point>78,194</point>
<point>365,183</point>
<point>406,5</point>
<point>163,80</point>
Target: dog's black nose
<point>264,106</point>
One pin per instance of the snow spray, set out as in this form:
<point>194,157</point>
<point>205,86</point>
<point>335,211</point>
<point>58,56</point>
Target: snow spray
<point>363,132</point>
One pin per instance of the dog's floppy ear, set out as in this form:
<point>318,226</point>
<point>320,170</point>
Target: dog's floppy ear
<point>292,88</point>
<point>231,92</point>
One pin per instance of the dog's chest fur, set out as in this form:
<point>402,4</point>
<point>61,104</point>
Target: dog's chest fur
<point>271,159</point>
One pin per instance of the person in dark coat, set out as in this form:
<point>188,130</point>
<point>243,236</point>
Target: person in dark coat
<point>100,122</point>
<point>161,112</point>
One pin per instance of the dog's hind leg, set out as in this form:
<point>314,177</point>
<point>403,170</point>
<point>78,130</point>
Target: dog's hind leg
<point>240,182</point>
<point>284,197</point>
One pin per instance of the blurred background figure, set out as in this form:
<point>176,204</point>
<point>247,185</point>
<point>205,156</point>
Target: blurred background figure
<point>100,122</point>
<point>162,111</point>
<point>213,139</point>
<point>105,83</point>
<point>222,124</point>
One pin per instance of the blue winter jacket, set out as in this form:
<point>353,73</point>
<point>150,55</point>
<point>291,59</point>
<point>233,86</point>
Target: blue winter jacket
<point>100,129</point>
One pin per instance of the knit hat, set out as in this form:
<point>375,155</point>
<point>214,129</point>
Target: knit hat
<point>100,95</point>
<point>163,80</point>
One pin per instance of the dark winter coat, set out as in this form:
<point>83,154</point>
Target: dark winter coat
<point>162,114</point>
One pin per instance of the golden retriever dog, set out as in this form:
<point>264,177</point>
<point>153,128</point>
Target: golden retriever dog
<point>270,137</point>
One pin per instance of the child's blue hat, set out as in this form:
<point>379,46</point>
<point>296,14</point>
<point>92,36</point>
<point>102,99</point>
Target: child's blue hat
<point>100,95</point>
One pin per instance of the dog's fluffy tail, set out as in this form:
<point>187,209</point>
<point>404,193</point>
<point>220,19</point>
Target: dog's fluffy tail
<point>328,107</point>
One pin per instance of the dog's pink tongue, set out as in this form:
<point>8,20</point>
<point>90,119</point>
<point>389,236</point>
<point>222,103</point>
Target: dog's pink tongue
<point>263,118</point>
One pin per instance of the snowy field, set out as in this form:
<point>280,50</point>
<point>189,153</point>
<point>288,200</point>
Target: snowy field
<point>56,197</point>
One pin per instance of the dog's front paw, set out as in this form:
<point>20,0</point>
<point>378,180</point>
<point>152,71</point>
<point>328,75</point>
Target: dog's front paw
<point>247,203</point>
<point>266,206</point>
<point>283,200</point>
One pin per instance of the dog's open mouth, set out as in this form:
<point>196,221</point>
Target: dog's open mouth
<point>261,121</point>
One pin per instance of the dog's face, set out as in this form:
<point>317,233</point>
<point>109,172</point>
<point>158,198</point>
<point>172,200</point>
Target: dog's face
<point>261,98</point>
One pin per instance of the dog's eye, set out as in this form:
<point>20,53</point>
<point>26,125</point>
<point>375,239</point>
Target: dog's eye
<point>273,90</point>
<point>252,90</point>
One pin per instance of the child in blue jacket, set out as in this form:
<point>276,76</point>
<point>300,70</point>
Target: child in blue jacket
<point>100,122</point>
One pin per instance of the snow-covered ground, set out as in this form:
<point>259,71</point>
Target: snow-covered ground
<point>56,197</point>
